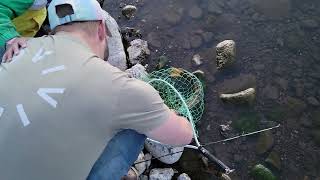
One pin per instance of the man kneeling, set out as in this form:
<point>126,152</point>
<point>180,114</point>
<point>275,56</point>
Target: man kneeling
<point>67,114</point>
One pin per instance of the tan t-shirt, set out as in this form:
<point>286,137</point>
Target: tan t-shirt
<point>60,105</point>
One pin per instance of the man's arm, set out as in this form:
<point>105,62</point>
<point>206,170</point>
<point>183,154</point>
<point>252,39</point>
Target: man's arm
<point>174,131</point>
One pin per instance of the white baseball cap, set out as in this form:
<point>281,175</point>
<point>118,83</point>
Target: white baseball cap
<point>83,10</point>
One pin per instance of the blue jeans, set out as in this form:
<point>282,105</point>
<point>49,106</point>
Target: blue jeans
<point>119,155</point>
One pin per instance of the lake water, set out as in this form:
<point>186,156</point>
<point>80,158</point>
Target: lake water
<point>278,53</point>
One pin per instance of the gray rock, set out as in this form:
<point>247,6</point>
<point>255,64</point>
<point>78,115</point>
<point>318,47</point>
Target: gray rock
<point>158,150</point>
<point>129,10</point>
<point>117,55</point>
<point>226,52</point>
<point>197,59</point>
<point>246,96</point>
<point>137,71</point>
<point>161,174</point>
<point>184,176</point>
<point>313,101</point>
<point>195,12</point>
<point>138,51</point>
<point>141,166</point>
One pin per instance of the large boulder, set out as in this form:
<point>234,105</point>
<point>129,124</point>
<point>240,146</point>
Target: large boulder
<point>138,51</point>
<point>163,151</point>
<point>117,55</point>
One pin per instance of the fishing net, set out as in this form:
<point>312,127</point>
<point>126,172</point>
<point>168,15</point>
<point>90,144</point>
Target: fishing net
<point>181,91</point>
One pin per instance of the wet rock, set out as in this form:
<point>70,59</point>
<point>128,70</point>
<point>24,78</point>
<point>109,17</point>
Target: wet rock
<point>137,71</point>
<point>158,150</point>
<point>197,59</point>
<point>161,174</point>
<point>271,92</point>
<point>162,62</point>
<point>247,122</point>
<point>201,76</point>
<point>226,52</point>
<point>310,24</point>
<point>260,172</point>
<point>173,15</point>
<point>274,160</point>
<point>195,12</point>
<point>117,55</point>
<point>265,142</point>
<point>154,40</point>
<point>313,101</point>
<point>240,83</point>
<point>246,96</point>
<point>128,11</point>
<point>138,51</point>
<point>184,176</point>
<point>195,41</point>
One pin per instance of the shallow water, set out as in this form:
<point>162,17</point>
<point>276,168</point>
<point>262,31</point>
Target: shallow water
<point>278,52</point>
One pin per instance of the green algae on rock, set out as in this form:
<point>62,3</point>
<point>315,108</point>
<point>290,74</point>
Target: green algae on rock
<point>260,172</point>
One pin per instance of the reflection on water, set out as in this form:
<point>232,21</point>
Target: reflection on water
<point>278,52</point>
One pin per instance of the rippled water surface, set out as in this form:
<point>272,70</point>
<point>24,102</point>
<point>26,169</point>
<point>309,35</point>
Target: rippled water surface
<point>278,53</point>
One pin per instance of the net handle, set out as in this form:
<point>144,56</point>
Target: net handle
<point>184,104</point>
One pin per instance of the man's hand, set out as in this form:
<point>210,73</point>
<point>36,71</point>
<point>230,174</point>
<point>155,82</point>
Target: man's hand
<point>13,48</point>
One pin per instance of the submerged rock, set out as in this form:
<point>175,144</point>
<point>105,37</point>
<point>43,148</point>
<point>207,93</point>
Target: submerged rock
<point>129,10</point>
<point>265,142</point>
<point>271,92</point>
<point>162,62</point>
<point>226,53</point>
<point>184,176</point>
<point>313,101</point>
<point>159,150</point>
<point>246,96</point>
<point>195,12</point>
<point>260,172</point>
<point>173,15</point>
<point>247,122</point>
<point>154,39</point>
<point>138,51</point>
<point>274,160</point>
<point>234,85</point>
<point>161,174</point>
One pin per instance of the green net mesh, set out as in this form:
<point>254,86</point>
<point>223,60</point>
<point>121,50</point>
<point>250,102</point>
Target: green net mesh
<point>181,91</point>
